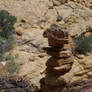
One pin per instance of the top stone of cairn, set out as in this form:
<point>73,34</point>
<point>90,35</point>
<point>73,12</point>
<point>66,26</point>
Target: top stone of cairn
<point>56,36</point>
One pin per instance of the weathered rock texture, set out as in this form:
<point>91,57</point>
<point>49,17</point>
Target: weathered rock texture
<point>59,65</point>
<point>79,86</point>
<point>16,84</point>
<point>35,16</point>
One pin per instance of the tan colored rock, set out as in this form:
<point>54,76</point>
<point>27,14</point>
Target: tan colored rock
<point>87,34</point>
<point>82,68</point>
<point>79,86</point>
<point>87,3</point>
<point>25,10</point>
<point>59,2</point>
<point>89,74</point>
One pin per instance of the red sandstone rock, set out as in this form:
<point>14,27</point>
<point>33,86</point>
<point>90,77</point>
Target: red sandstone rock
<point>57,43</point>
<point>59,70</point>
<point>58,80</point>
<point>53,62</point>
<point>54,80</point>
<point>61,54</point>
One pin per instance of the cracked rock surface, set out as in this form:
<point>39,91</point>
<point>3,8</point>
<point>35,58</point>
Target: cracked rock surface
<point>16,84</point>
<point>34,17</point>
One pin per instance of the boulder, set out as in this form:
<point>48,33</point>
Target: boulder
<point>54,80</point>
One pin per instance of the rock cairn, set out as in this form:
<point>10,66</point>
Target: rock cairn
<point>58,72</point>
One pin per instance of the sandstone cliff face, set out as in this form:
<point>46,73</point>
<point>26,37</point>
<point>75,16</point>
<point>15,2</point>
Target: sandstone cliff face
<point>34,17</point>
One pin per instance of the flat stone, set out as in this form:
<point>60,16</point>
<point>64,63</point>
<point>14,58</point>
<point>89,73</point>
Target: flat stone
<point>59,69</point>
<point>64,53</point>
<point>53,62</point>
<point>57,43</point>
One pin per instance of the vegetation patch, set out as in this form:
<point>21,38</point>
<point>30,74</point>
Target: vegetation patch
<point>13,67</point>
<point>84,44</point>
<point>7,31</point>
<point>7,40</point>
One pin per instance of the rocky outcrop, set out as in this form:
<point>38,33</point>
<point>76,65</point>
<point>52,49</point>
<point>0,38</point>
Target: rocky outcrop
<point>33,41</point>
<point>10,83</point>
<point>79,86</point>
<point>59,65</point>
<point>27,9</point>
<point>34,16</point>
<point>82,68</point>
<point>86,3</point>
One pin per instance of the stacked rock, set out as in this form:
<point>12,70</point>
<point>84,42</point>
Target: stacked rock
<point>60,63</point>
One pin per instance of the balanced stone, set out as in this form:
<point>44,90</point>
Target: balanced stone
<point>57,43</point>
<point>58,80</point>
<point>59,70</point>
<point>53,62</point>
<point>61,54</point>
<point>56,36</point>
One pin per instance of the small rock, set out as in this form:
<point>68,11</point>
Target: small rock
<point>41,55</point>
<point>80,56</point>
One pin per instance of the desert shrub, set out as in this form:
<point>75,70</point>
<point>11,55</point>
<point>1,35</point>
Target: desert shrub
<point>6,31</point>
<point>83,44</point>
<point>2,57</point>
<point>4,45</point>
<point>7,39</point>
<point>14,67</point>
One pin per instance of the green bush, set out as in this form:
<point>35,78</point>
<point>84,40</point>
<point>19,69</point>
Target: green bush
<point>7,40</point>
<point>14,67</point>
<point>6,31</point>
<point>6,24</point>
<point>84,44</point>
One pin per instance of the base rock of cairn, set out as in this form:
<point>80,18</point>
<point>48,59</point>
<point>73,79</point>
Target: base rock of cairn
<point>60,49</point>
